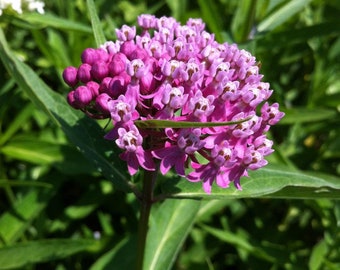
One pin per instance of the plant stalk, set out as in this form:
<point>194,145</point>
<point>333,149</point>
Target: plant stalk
<point>143,225</point>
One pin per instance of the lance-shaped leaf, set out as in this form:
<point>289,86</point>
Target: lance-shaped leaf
<point>36,20</point>
<point>21,255</point>
<point>15,221</point>
<point>270,181</point>
<point>169,227</point>
<point>154,123</point>
<point>282,14</point>
<point>96,26</point>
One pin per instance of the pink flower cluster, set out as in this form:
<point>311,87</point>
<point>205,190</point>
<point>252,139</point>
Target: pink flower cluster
<point>181,73</point>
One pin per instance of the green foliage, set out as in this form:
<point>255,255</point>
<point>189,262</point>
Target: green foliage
<point>42,251</point>
<point>269,182</point>
<point>169,226</point>
<point>67,201</point>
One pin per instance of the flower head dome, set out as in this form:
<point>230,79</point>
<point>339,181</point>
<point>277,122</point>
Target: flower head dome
<point>177,72</point>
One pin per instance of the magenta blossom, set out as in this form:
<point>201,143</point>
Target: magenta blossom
<point>134,154</point>
<point>188,142</point>
<point>163,70</point>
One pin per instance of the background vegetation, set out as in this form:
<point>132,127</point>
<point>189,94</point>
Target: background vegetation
<point>61,208</point>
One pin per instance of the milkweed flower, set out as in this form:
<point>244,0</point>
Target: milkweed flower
<point>180,73</point>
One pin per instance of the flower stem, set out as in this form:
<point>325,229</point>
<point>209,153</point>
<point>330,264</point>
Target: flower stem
<point>146,203</point>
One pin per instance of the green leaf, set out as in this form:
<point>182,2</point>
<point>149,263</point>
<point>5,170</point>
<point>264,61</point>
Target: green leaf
<point>243,20</point>
<point>131,10</point>
<point>14,183</point>
<point>177,8</point>
<point>303,34</point>
<point>211,207</point>
<point>282,14</point>
<point>318,254</point>
<point>239,242</point>
<point>49,20</point>
<point>17,123</point>
<point>269,182</point>
<point>34,151</point>
<point>64,157</point>
<point>15,221</point>
<point>58,48</point>
<point>96,26</point>
<point>85,133</point>
<point>24,254</point>
<point>331,100</point>
<point>154,123</point>
<point>303,115</point>
<point>211,16</point>
<point>122,256</point>
<point>87,204</point>
<point>170,224</point>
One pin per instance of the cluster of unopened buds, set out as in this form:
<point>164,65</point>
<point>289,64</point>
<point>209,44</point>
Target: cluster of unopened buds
<point>178,75</point>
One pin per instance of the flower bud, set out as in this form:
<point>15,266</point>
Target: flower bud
<point>99,70</point>
<point>117,86</point>
<point>147,83</point>
<point>117,64</point>
<point>102,103</point>
<point>128,48</point>
<point>102,55</point>
<point>94,87</point>
<point>84,73</point>
<point>82,96</point>
<point>139,53</point>
<point>71,100</point>
<point>89,56</point>
<point>70,76</point>
<point>105,85</point>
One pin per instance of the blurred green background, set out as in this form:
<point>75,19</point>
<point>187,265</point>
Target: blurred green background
<point>48,190</point>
